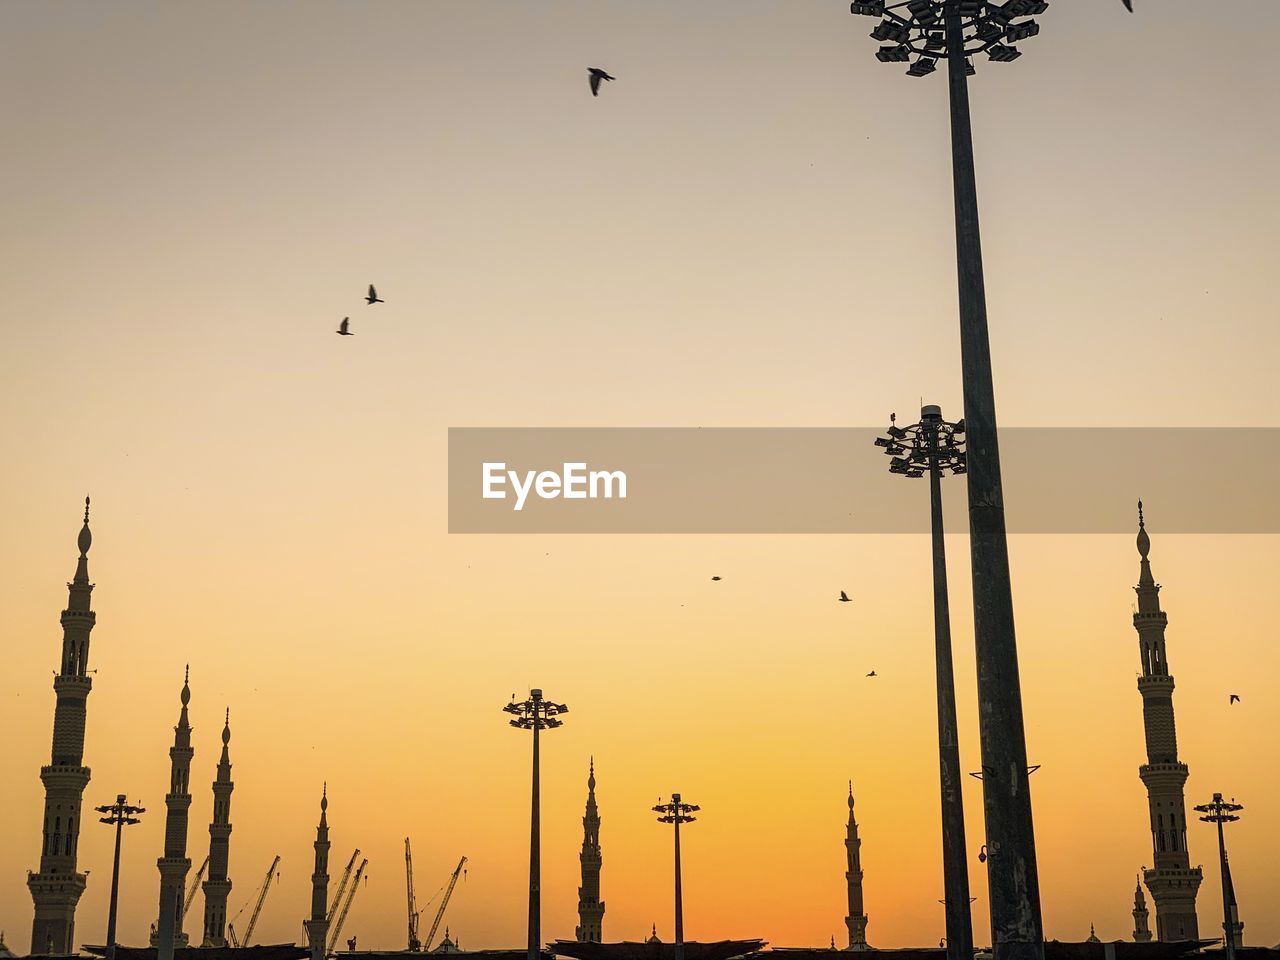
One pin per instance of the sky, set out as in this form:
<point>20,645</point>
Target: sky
<point>751,226</point>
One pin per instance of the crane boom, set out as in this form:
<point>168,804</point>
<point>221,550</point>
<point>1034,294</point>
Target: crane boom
<point>262,898</point>
<point>414,943</point>
<point>444,902</point>
<point>346,905</point>
<point>191,890</point>
<point>342,885</point>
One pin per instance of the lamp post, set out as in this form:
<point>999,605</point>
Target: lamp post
<point>1221,811</point>
<point>677,812</point>
<point>535,714</point>
<point>120,814</point>
<point>931,448</point>
<point>957,30</point>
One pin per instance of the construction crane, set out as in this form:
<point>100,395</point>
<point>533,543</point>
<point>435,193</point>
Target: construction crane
<point>342,885</point>
<point>257,908</point>
<point>414,943</point>
<point>346,905</point>
<point>444,902</point>
<point>191,890</point>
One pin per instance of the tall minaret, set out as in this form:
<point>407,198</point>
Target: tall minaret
<point>57,887</point>
<point>856,921</point>
<point>590,906</point>
<point>218,887</point>
<point>1141,929</point>
<point>318,925</point>
<point>175,864</point>
<point>1173,882</point>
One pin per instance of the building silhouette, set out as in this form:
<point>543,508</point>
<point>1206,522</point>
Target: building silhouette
<point>174,864</point>
<point>590,906</point>
<point>56,887</point>
<point>318,926</point>
<point>218,886</point>
<point>1141,922</point>
<point>856,921</point>
<point>1172,880</point>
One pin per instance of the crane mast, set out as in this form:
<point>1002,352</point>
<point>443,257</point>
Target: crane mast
<point>444,902</point>
<point>414,943</point>
<point>342,885</point>
<point>191,890</point>
<point>346,905</point>
<point>262,898</point>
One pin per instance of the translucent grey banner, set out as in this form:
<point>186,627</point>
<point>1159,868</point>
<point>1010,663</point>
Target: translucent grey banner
<point>834,480</point>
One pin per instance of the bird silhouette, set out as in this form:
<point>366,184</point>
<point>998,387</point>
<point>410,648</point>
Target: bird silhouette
<point>845,598</point>
<point>872,674</point>
<point>596,76</point>
<point>715,578</point>
<point>1128,5</point>
<point>373,296</point>
<point>1235,698</point>
<point>342,328</point>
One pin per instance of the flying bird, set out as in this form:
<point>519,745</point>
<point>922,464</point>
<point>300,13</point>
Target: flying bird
<point>1128,5</point>
<point>342,328</point>
<point>715,578</point>
<point>872,674</point>
<point>1235,698</point>
<point>845,598</point>
<point>596,76</point>
<point>373,296</point>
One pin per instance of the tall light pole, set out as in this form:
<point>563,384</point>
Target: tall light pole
<point>931,448</point>
<point>677,812</point>
<point>535,714</point>
<point>957,30</point>
<point>1224,811</point>
<point>120,814</point>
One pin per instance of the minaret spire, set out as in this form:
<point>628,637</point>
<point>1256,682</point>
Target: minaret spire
<point>1173,882</point>
<point>218,887</point>
<point>174,864</point>
<point>590,906</point>
<point>856,921</point>
<point>318,925</point>
<point>1141,930</point>
<point>56,887</point>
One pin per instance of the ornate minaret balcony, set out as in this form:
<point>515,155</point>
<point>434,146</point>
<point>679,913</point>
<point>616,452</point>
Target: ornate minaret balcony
<point>57,886</point>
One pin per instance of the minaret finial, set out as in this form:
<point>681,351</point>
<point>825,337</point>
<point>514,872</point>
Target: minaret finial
<point>86,508</point>
<point>851,795</point>
<point>186,686</point>
<point>1141,521</point>
<point>85,540</point>
<point>1144,541</point>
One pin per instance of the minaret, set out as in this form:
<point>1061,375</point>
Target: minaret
<point>1141,929</point>
<point>1173,882</point>
<point>218,887</point>
<point>318,925</point>
<point>57,886</point>
<point>590,906</point>
<point>856,921</point>
<point>175,864</point>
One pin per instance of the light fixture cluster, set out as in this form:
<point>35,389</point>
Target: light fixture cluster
<point>915,31</point>
<point>933,442</point>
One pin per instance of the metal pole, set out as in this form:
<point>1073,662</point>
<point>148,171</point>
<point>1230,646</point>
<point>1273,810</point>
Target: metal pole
<point>535,859</point>
<point>115,891</point>
<point>955,867</point>
<point>1017,932</point>
<point>1228,927</point>
<point>679,890</point>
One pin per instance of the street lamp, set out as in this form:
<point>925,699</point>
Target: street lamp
<point>121,814</point>
<point>677,812</point>
<point>535,714</point>
<point>1224,811</point>
<point>932,448</point>
<point>957,30</point>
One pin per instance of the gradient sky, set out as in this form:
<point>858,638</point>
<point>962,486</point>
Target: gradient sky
<point>750,227</point>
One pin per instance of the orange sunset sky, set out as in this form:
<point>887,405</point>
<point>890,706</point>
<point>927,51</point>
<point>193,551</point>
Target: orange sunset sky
<point>750,227</point>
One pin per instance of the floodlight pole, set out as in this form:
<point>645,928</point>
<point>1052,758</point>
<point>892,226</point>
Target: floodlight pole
<point>1017,931</point>
<point>535,714</point>
<point>934,446</point>
<point>677,812</point>
<point>119,814</point>
<point>1219,812</point>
